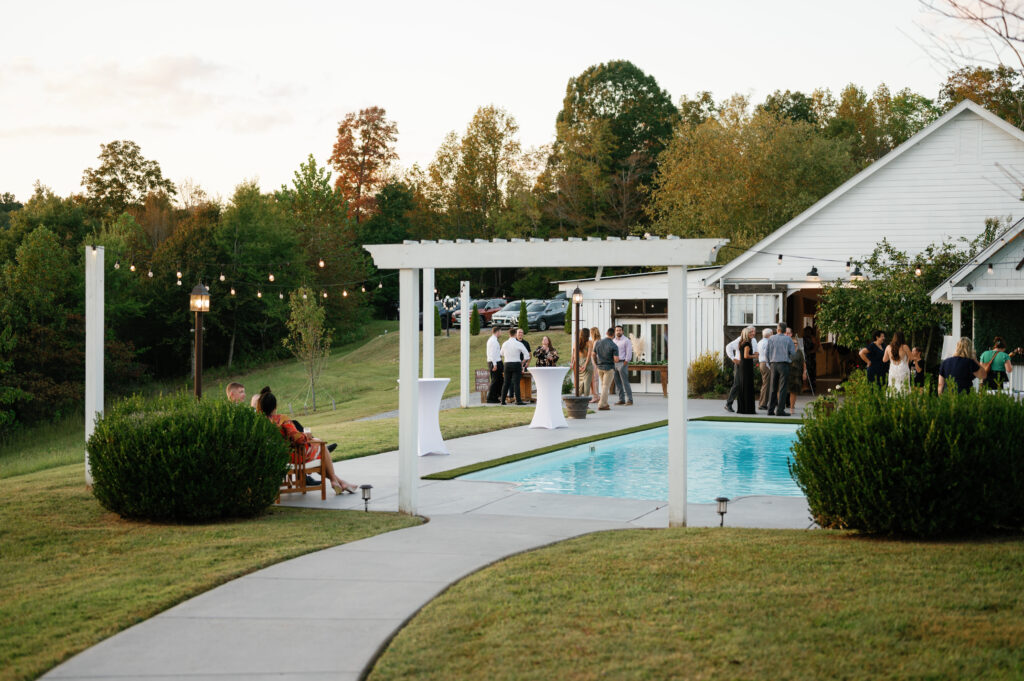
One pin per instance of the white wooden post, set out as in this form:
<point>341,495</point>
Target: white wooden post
<point>428,323</point>
<point>408,387</point>
<point>467,316</point>
<point>94,281</point>
<point>677,396</point>
<point>957,330</point>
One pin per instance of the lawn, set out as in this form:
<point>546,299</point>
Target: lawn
<point>727,604</point>
<point>72,574</point>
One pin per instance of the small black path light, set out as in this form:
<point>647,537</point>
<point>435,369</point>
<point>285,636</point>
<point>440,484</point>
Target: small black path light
<point>366,496</point>
<point>723,504</point>
<point>199,302</point>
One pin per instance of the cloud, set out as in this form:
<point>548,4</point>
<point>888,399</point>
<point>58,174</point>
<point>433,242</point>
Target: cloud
<point>47,131</point>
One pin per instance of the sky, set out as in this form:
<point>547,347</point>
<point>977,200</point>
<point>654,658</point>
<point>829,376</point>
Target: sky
<point>222,92</point>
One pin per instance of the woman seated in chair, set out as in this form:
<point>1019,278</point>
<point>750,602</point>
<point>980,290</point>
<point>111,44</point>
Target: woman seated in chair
<point>267,405</point>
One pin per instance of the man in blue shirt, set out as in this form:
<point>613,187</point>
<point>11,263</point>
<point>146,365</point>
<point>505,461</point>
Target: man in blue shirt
<point>779,353</point>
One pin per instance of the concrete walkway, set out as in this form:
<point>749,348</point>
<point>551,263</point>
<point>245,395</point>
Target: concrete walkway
<point>327,614</point>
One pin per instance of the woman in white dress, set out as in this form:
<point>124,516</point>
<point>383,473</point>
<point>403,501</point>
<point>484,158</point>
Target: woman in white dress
<point>898,356</point>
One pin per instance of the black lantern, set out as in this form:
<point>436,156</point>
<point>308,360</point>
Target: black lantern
<point>723,507</point>
<point>366,496</point>
<point>577,300</point>
<point>813,274</point>
<point>199,302</point>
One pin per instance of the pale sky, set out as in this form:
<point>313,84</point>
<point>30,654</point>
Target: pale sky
<point>220,92</point>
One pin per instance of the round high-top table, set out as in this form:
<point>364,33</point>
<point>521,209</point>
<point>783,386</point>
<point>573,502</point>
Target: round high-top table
<point>428,439</point>
<point>548,413</point>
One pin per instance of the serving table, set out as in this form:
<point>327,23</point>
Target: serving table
<point>548,412</point>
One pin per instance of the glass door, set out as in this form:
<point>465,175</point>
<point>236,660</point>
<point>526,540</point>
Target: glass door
<point>650,345</point>
<point>634,330</point>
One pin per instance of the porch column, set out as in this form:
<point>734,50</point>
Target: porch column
<point>957,329</point>
<point>428,323</point>
<point>676,343</point>
<point>467,314</point>
<point>94,279</point>
<point>408,387</point>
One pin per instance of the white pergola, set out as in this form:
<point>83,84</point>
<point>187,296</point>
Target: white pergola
<point>412,257</point>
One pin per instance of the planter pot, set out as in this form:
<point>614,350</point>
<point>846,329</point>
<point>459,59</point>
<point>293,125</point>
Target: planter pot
<point>576,406</point>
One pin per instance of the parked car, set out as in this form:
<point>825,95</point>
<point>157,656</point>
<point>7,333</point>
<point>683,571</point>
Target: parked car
<point>445,316</point>
<point>509,315</point>
<point>485,306</point>
<point>544,314</point>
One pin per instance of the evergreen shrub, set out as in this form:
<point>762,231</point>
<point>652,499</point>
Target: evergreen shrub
<point>524,320</point>
<point>178,459</point>
<point>703,373</point>
<point>915,464</point>
<point>437,321</point>
<point>474,321</point>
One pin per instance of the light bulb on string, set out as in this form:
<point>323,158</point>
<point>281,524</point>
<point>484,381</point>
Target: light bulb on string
<point>380,284</point>
<point>325,294</point>
<point>149,274</point>
<point>179,282</point>
<point>362,288</point>
<point>344,293</point>
<point>779,261</point>
<point>222,277</point>
<point>321,263</point>
<point>117,264</point>
<point>179,274</point>
<point>847,265</point>
<point>281,296</point>
<point>303,296</point>
<point>232,290</point>
<point>131,267</point>
<point>989,270</point>
<point>259,294</point>
<point>271,276</point>
<point>917,271</point>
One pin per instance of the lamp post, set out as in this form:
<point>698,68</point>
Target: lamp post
<point>577,300</point>
<point>199,302</point>
<point>449,305</point>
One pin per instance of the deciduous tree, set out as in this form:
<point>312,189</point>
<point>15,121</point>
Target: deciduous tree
<point>123,178</point>
<point>308,338</point>
<point>364,150</point>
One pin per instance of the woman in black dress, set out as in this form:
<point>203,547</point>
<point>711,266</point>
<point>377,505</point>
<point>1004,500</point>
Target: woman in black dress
<point>748,359</point>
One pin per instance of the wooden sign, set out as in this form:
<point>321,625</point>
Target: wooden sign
<point>483,379</point>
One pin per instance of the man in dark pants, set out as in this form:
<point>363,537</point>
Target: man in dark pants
<point>512,354</point>
<point>780,353</point>
<point>495,366</point>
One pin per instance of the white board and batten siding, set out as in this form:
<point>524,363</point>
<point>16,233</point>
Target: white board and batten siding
<point>704,305</point>
<point>938,186</point>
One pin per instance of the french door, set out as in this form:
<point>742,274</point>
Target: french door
<point>650,337</point>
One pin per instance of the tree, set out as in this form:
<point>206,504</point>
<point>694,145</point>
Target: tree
<point>308,338</point>
<point>362,153</point>
<point>123,178</point>
<point>740,176</point>
<point>987,30</point>
<point>8,205</point>
<point>615,120</point>
<point>999,89</point>
<point>524,320</point>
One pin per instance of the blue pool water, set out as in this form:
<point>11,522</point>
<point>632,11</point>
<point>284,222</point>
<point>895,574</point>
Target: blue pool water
<point>724,459</point>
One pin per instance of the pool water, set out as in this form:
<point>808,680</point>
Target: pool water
<point>723,459</point>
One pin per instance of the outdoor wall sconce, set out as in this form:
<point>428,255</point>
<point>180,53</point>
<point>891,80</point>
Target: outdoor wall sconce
<point>366,496</point>
<point>857,274</point>
<point>813,274</point>
<point>723,508</point>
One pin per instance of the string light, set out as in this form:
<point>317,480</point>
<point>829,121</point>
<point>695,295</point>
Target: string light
<point>847,265</point>
<point>179,282</point>
<point>321,263</point>
<point>779,261</point>
<point>303,296</point>
<point>989,271</point>
<point>132,267</point>
<point>222,277</point>
<point>117,264</point>
<point>380,284</point>
<point>917,271</point>
<point>271,276</point>
<point>259,294</point>
<point>179,274</point>
<point>325,294</point>
<point>150,274</point>
<point>281,296</point>
<point>344,293</point>
<point>232,290</point>
<point>362,288</point>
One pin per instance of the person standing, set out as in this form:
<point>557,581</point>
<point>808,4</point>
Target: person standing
<point>873,356</point>
<point>512,354</point>
<point>495,365</point>
<point>595,375</point>
<point>605,356</point>
<point>1002,367</point>
<point>779,350</point>
<point>766,373</point>
<point>745,371</point>
<point>961,369</point>
<point>624,354</point>
<point>811,358</point>
<point>546,354</point>
<point>586,363</point>
<point>735,355</point>
<point>520,336</point>
<point>797,372</point>
<point>898,356</point>
<point>917,375</point>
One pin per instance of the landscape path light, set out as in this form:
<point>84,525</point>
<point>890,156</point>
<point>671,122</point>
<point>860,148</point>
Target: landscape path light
<point>199,302</point>
<point>366,496</point>
<point>723,508</point>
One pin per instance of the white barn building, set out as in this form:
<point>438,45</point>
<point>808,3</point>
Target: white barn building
<point>940,185</point>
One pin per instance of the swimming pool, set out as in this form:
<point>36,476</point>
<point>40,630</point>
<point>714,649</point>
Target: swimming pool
<point>723,459</point>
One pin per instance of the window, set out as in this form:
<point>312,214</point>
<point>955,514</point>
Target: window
<point>754,308</point>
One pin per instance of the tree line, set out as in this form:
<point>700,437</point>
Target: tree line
<point>624,160</point>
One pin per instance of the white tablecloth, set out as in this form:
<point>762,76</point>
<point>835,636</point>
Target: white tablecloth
<point>548,413</point>
<point>429,440</point>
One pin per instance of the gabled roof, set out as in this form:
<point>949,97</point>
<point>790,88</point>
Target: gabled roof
<point>863,175</point>
<point>943,293</point>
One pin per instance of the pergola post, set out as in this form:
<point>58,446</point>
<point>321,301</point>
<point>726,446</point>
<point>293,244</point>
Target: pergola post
<point>428,323</point>
<point>677,388</point>
<point>408,386</point>
<point>94,301</point>
<point>957,329</point>
<point>467,315</point>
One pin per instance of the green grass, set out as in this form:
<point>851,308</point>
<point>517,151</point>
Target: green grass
<point>483,465</point>
<point>72,574</point>
<point>727,604</point>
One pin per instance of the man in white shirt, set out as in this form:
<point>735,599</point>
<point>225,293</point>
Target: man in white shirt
<point>625,354</point>
<point>732,351</point>
<point>495,366</point>
<point>766,370</point>
<point>512,354</point>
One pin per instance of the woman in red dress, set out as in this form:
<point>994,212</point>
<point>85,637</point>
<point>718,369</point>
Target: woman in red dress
<point>301,443</point>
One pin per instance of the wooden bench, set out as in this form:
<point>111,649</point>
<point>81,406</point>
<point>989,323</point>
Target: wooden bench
<point>295,478</point>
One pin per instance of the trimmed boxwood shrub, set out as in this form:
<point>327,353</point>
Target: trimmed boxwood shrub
<point>914,464</point>
<point>179,459</point>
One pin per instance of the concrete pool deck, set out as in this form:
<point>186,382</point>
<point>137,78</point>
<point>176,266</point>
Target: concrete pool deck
<point>326,615</point>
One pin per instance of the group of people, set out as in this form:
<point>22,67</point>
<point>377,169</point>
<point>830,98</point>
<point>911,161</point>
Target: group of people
<point>782,362</point>
<point>304,449</point>
<point>507,361</point>
<point>604,363</point>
